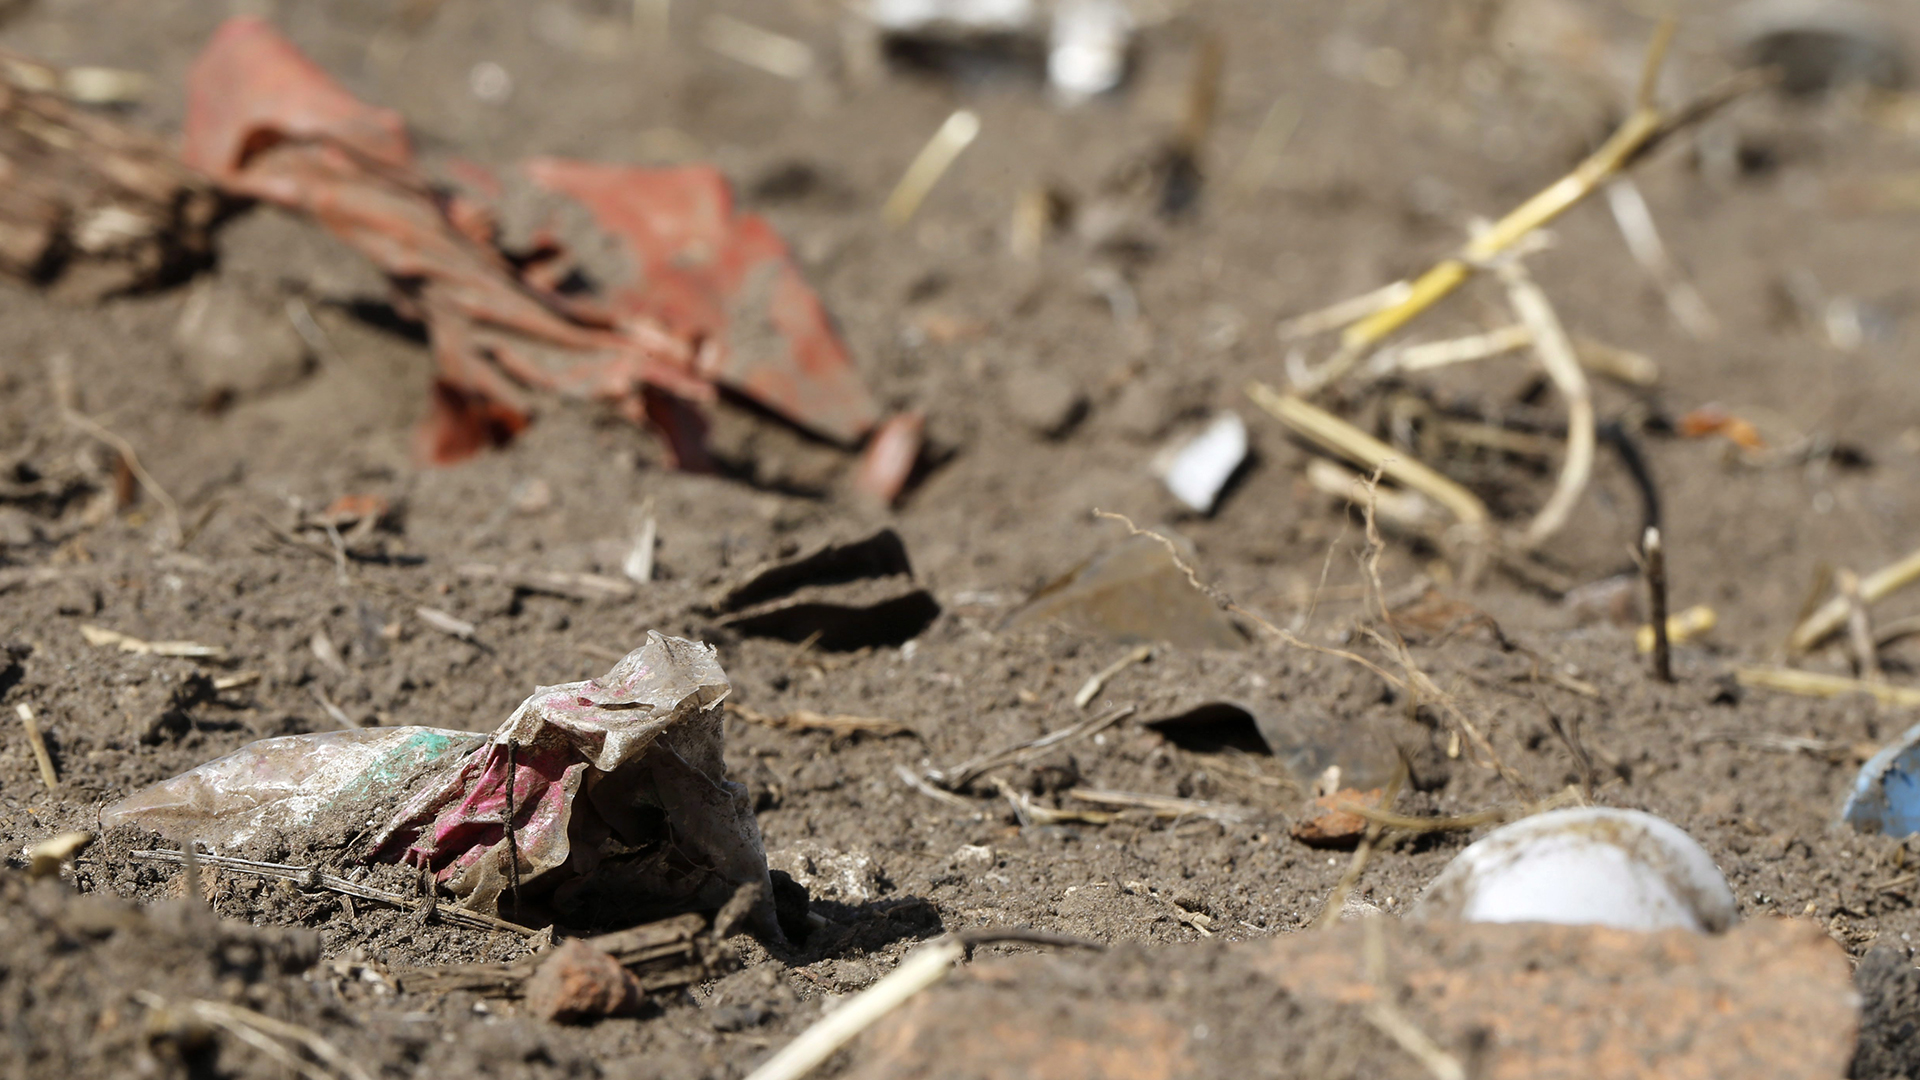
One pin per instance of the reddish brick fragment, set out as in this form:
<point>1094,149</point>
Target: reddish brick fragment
<point>579,984</point>
<point>1330,821</point>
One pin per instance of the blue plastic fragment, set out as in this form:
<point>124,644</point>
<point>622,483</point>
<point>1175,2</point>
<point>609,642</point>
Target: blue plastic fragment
<point>1886,795</point>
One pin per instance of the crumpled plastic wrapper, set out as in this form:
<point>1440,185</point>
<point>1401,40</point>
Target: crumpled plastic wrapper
<point>617,788</point>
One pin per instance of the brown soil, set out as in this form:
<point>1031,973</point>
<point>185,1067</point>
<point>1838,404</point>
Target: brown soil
<point>1390,160</point>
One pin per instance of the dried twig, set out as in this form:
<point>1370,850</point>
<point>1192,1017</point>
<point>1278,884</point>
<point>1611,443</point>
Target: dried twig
<point>67,401</point>
<point>1335,316</point>
<point>1684,302</point>
<point>954,136</point>
<point>308,877</point>
<point>775,54</point>
<point>1874,588</point>
<point>1894,629</point>
<point>1163,806</point>
<point>446,622</point>
<point>1343,438</point>
<point>1098,680</point>
<point>39,745</point>
<point>334,712</point>
<point>1654,565</point>
<point>1814,684</point>
<point>1027,812</point>
<point>1435,354</point>
<point>638,565</point>
<point>235,681</point>
<point>1612,362</point>
<point>1356,865</point>
<point>552,582</point>
<point>1682,627</point>
<point>1495,815</point>
<point>914,781</point>
<point>1556,356</point>
<point>661,955</point>
<point>959,776</point>
<point>1644,127</point>
<point>838,724</point>
<point>1866,656</point>
<point>1406,510</point>
<point>193,650</point>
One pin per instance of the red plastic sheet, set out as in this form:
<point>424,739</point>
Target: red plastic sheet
<point>718,302</point>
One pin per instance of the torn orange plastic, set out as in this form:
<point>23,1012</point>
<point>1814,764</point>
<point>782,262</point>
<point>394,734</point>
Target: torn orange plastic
<point>726,281</point>
<point>1713,420</point>
<point>351,508</point>
<point>890,458</point>
<point>721,301</point>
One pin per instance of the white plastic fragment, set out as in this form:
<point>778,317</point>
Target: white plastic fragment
<point>1087,51</point>
<point>1198,470</point>
<point>1592,865</point>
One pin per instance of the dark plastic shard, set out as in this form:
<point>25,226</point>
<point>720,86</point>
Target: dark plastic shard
<point>881,555</point>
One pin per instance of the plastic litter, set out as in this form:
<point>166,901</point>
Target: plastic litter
<point>716,301</point>
<point>1886,793</point>
<point>620,804</point>
<point>1591,865</point>
<point>1087,48</point>
<point>839,597</point>
<point>1086,41</point>
<point>1198,471</point>
<point>286,783</point>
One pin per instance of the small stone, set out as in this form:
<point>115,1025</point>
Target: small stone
<point>1045,402</point>
<point>1328,824</point>
<point>233,341</point>
<point>973,855</point>
<point>578,984</point>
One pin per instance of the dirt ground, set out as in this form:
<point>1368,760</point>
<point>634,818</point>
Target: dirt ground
<point>1412,121</point>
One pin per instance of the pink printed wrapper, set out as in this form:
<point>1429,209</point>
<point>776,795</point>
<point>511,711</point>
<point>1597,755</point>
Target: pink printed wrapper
<point>620,805</point>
